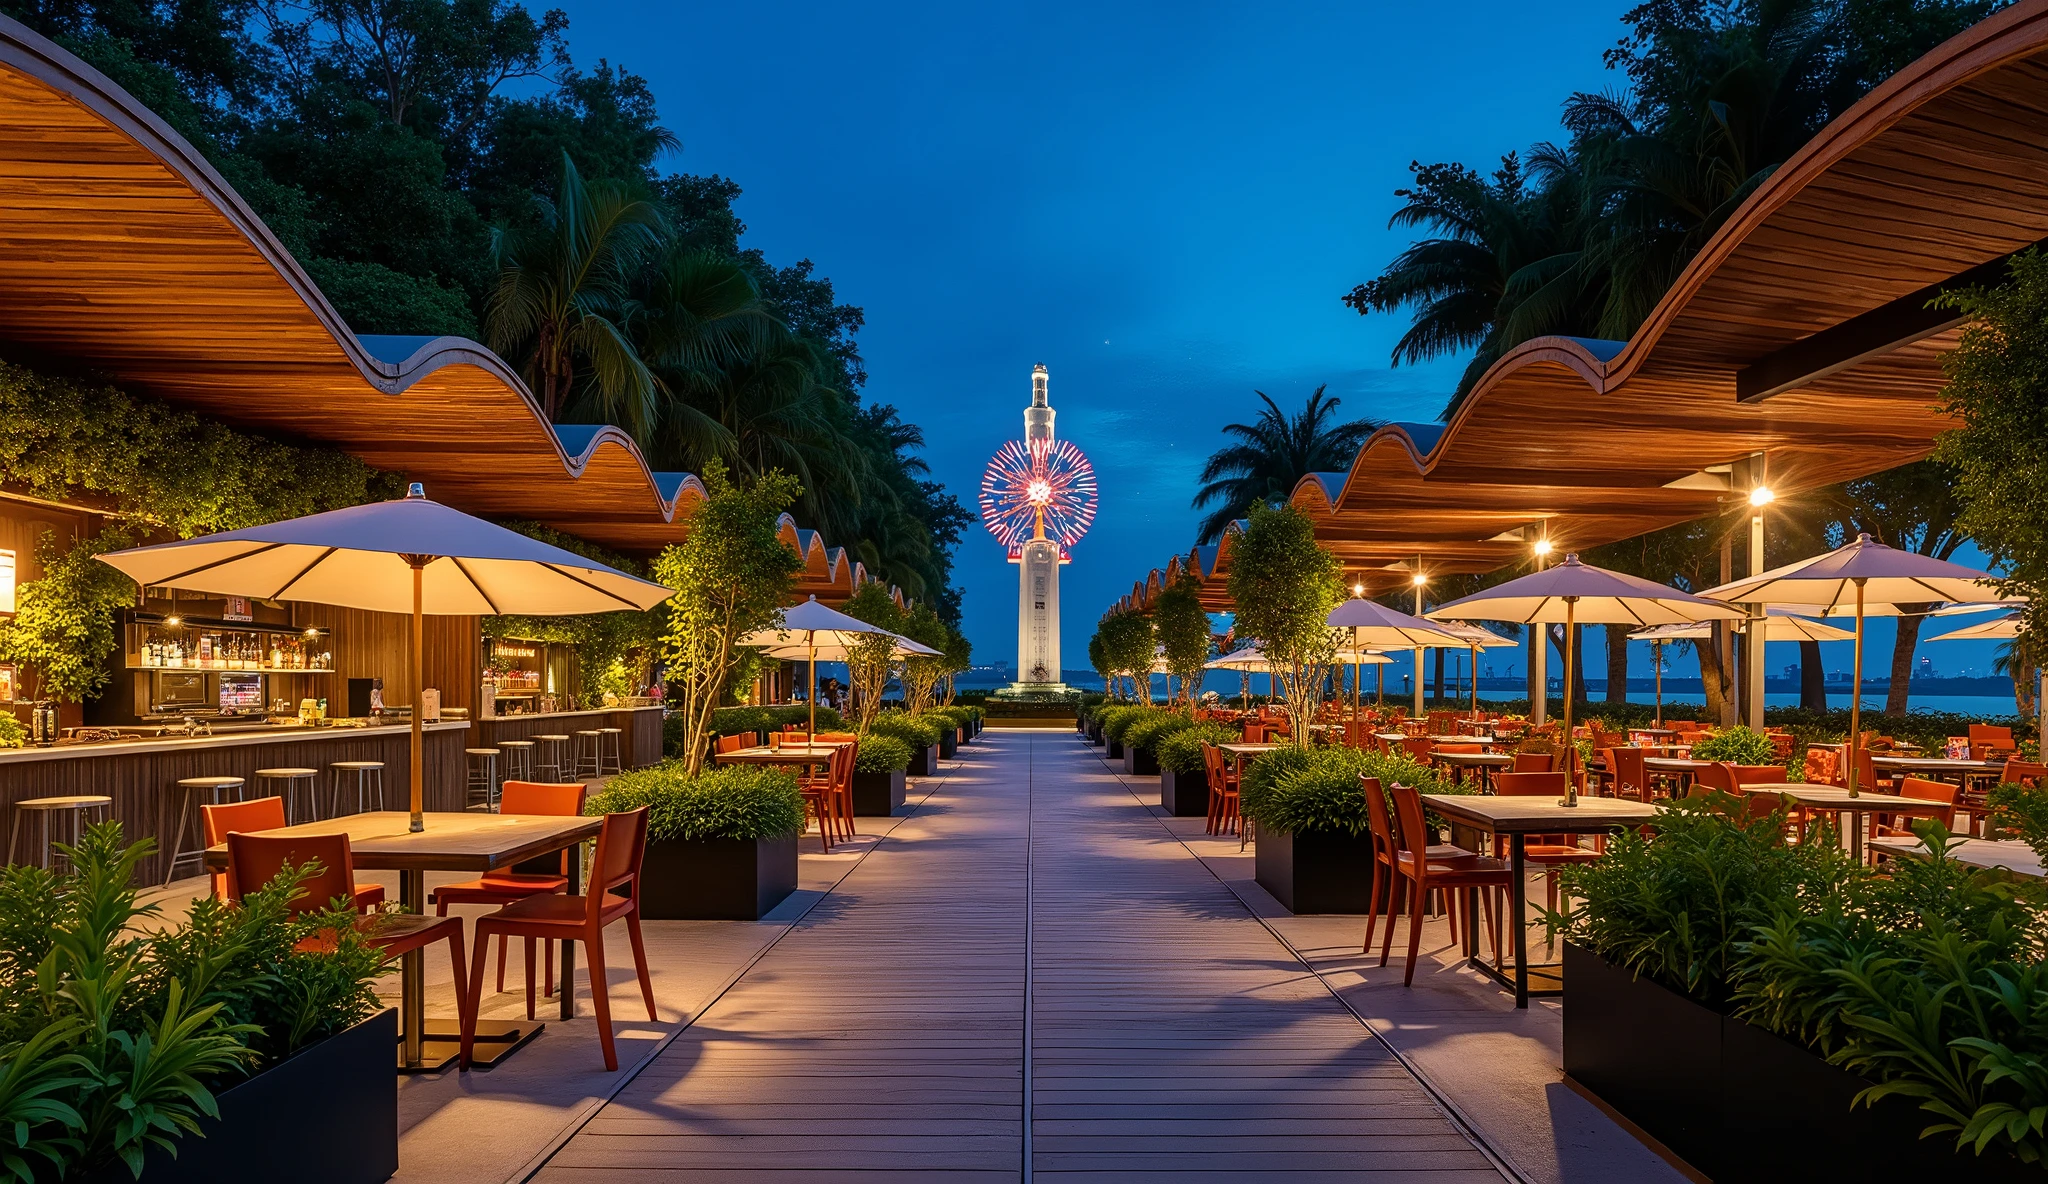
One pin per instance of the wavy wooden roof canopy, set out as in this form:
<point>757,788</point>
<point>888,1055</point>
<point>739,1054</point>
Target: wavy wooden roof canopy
<point>1800,332</point>
<point>123,251</point>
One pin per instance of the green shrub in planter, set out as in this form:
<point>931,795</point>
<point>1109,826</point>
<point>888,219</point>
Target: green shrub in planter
<point>917,733</point>
<point>732,721</point>
<point>1737,746</point>
<point>1317,791</point>
<point>943,720</point>
<point>1116,723</point>
<point>799,715</point>
<point>1180,752</point>
<point>1147,732</point>
<point>731,802</point>
<point>881,754</point>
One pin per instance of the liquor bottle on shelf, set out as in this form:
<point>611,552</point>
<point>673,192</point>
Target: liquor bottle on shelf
<point>276,655</point>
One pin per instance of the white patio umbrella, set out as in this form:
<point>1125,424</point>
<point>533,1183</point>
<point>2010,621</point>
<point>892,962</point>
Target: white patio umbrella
<point>1375,626</point>
<point>1573,593</point>
<point>1780,624</point>
<point>1244,660</point>
<point>1862,574</point>
<point>812,630</point>
<point>1997,629</point>
<point>410,555</point>
<point>1476,639</point>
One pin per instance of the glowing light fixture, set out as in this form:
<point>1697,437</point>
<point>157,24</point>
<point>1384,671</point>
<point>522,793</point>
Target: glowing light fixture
<point>1358,589</point>
<point>1419,579</point>
<point>1761,496</point>
<point>1542,547</point>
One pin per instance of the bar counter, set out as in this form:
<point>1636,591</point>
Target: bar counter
<point>141,774</point>
<point>639,740</point>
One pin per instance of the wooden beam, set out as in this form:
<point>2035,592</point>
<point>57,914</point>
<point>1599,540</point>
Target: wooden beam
<point>1887,327</point>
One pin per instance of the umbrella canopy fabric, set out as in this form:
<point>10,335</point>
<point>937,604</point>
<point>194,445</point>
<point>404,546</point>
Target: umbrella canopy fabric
<point>836,652</point>
<point>1244,658</point>
<point>812,623</point>
<point>1473,637</point>
<point>1380,627</point>
<point>1999,629</point>
<point>1888,576</point>
<point>1361,657</point>
<point>1780,624</point>
<point>361,557</point>
<point>1584,595</point>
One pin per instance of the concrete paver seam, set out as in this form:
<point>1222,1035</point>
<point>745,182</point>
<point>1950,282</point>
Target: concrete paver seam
<point>533,1167</point>
<point>1030,789</point>
<point>1451,1112</point>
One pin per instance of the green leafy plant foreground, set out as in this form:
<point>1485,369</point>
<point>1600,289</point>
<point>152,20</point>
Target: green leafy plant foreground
<point>1181,751</point>
<point>115,1036</point>
<point>881,754</point>
<point>731,802</point>
<point>1738,746</point>
<point>1317,790</point>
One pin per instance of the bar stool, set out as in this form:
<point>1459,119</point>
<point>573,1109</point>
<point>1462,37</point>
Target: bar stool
<point>267,785</point>
<point>588,745</point>
<point>548,756</point>
<point>361,770</point>
<point>220,791</point>
<point>518,759</point>
<point>483,777</point>
<point>609,759</point>
<point>74,809</point>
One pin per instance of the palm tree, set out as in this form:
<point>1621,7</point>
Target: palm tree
<point>699,316</point>
<point>1273,454</point>
<point>563,304</point>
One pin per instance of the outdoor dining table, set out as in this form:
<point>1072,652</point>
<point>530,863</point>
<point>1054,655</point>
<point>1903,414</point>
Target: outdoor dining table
<point>1244,750</point>
<point>1652,731</point>
<point>452,842</point>
<point>1484,762</point>
<point>1679,769</point>
<point>788,754</point>
<point>1938,768</point>
<point>1835,799</point>
<point>2014,856</point>
<point>1517,818</point>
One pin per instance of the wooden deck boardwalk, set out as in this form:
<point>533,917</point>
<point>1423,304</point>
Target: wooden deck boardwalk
<point>1029,977</point>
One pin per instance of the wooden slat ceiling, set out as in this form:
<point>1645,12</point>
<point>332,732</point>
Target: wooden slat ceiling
<point>1941,169</point>
<point>123,253</point>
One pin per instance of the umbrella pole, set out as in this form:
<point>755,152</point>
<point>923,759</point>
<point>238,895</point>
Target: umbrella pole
<point>1474,674</point>
<point>1856,702</point>
<point>1657,668</point>
<point>416,775</point>
<point>1571,749</point>
<point>1357,687</point>
<point>814,685</point>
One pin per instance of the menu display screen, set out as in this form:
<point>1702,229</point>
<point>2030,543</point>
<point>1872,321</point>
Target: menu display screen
<point>238,691</point>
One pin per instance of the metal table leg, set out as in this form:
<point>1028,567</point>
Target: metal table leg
<point>1517,853</point>
<point>567,983</point>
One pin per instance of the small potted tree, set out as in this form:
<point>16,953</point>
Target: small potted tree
<point>721,845</point>
<point>1314,853</point>
<point>921,735</point>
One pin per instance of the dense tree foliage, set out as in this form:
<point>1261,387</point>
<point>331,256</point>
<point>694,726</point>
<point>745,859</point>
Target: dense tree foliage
<point>1582,238</point>
<point>1267,457</point>
<point>444,167</point>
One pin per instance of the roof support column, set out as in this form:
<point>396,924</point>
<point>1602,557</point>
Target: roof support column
<point>1753,649</point>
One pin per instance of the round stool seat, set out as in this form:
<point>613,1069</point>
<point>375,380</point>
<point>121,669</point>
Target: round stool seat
<point>609,730</point>
<point>512,744</point>
<point>287,772</point>
<point>77,801</point>
<point>481,751</point>
<point>210,782</point>
<point>558,736</point>
<point>70,811</point>
<point>591,732</point>
<point>357,766</point>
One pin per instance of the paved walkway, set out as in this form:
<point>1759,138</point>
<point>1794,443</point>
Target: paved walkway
<point>1029,976</point>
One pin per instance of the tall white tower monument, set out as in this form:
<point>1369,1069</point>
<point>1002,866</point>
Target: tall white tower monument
<point>1038,499</point>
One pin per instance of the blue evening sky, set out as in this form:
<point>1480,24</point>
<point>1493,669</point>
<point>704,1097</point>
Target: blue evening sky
<point>1162,203</point>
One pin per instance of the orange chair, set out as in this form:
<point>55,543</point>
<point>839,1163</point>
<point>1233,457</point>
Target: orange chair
<point>1534,762</point>
<point>735,742</point>
<point>1759,774</point>
<point>614,895</point>
<point>1418,875</point>
<point>1716,775</point>
<point>520,797</point>
<point>261,814</point>
<point>255,860</point>
<point>1550,852</point>
<point>831,796</point>
<point>1223,787</point>
<point>1823,765</point>
<point>1385,860</point>
<point>1990,741</point>
<point>1631,776</point>
<point>1921,790</point>
<point>1418,748</point>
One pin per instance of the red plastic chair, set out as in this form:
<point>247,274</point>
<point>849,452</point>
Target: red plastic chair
<point>261,814</point>
<point>614,895</point>
<point>255,860</point>
<point>1418,873</point>
<point>521,797</point>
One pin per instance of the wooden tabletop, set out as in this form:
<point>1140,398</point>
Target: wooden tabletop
<point>1651,731</point>
<point>2010,854</point>
<point>1674,763</point>
<point>1538,814</point>
<point>1248,749</point>
<point>1936,764</point>
<point>788,754</point>
<point>1392,737</point>
<point>1834,797</point>
<point>457,842</point>
<point>1500,760</point>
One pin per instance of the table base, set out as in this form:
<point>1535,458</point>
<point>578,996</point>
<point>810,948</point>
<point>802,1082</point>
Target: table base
<point>1551,973</point>
<point>495,1040</point>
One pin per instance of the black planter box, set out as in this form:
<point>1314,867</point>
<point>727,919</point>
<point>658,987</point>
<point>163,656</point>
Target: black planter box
<point>345,1084</point>
<point>1184,795</point>
<point>1141,762</point>
<point>716,879</point>
<point>924,761</point>
<point>1094,733</point>
<point>877,795</point>
<point>1315,873</point>
<point>1736,1101</point>
<point>949,744</point>
<point>1116,750</point>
